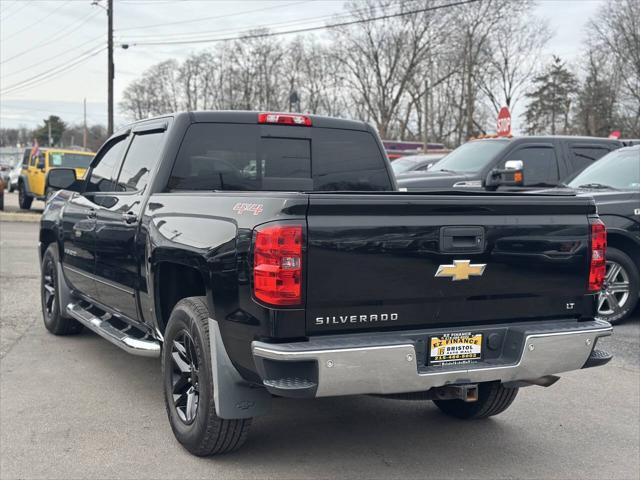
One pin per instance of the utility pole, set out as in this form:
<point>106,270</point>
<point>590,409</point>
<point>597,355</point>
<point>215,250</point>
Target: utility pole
<point>50,139</point>
<point>111,72</point>
<point>84,131</point>
<point>425,114</point>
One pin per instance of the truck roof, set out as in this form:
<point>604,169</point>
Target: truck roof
<point>241,116</point>
<point>552,137</point>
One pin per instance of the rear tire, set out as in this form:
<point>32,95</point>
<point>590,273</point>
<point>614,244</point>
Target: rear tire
<point>493,398</point>
<point>188,384</point>
<point>54,320</point>
<point>24,200</point>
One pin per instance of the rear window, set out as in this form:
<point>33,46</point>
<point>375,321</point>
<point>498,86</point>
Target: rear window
<point>217,156</point>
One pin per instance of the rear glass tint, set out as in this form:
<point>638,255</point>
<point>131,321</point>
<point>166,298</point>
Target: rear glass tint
<point>216,156</point>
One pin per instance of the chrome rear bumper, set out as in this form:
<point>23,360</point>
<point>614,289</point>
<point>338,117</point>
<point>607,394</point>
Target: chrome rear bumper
<point>386,363</point>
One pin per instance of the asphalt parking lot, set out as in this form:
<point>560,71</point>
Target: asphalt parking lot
<point>78,407</point>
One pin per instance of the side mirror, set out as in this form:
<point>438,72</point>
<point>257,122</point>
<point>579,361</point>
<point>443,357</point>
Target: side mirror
<point>62,179</point>
<point>511,176</point>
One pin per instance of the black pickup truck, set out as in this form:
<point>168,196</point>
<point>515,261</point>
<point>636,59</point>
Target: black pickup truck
<point>545,160</point>
<point>267,254</point>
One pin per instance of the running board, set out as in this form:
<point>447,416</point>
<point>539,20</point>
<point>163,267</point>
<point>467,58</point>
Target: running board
<point>145,346</point>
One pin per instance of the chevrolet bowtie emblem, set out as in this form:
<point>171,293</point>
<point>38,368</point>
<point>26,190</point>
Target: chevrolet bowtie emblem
<point>461,270</point>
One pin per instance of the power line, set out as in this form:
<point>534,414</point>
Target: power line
<point>202,19</point>
<point>31,24</point>
<point>48,41</point>
<point>52,73</point>
<point>19,9</point>
<point>55,57</point>
<point>308,29</point>
<point>298,21</point>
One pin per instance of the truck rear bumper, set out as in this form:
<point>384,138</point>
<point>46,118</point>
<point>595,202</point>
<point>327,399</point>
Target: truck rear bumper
<point>396,362</point>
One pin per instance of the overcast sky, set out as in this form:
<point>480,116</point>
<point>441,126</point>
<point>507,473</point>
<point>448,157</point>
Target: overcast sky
<point>39,36</point>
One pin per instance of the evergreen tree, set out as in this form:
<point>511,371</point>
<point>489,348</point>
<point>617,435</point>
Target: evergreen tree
<point>57,129</point>
<point>550,100</point>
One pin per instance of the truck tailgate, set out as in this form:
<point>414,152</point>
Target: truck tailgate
<point>372,260</point>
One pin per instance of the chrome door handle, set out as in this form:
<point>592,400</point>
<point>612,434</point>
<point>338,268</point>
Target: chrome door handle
<point>130,217</point>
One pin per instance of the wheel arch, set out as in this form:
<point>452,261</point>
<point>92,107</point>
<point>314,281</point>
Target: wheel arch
<point>622,241</point>
<point>47,237</point>
<point>172,281</point>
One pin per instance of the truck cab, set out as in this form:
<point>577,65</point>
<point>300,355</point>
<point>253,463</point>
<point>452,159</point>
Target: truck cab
<point>546,160</point>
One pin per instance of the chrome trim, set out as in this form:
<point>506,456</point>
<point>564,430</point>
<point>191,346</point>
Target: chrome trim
<point>135,346</point>
<point>113,285</point>
<point>388,369</point>
<point>100,279</point>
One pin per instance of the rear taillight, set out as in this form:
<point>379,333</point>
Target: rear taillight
<point>598,268</point>
<point>285,119</point>
<point>277,264</point>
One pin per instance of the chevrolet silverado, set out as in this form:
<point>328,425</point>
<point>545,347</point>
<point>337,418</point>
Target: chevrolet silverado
<point>266,254</point>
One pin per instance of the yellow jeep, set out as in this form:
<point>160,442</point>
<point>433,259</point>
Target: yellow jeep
<point>35,168</point>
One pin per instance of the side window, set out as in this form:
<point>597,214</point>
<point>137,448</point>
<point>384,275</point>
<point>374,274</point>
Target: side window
<point>540,165</point>
<point>142,156</point>
<point>583,156</point>
<point>102,176</point>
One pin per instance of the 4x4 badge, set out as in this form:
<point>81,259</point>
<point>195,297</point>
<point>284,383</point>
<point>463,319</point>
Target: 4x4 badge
<point>461,270</point>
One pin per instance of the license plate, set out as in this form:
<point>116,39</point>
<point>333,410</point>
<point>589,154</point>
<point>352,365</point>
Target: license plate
<point>455,348</point>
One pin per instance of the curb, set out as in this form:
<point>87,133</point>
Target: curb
<point>19,217</point>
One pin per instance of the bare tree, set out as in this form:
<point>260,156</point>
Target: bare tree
<point>514,56</point>
<point>616,30</point>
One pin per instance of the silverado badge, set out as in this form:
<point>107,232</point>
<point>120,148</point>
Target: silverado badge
<point>461,270</point>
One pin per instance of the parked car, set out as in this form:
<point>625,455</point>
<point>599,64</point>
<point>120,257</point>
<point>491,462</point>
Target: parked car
<point>415,163</point>
<point>5,169</point>
<point>35,168</point>
<point>311,275</point>
<point>14,176</point>
<point>2,187</point>
<point>614,183</point>
<point>546,161</point>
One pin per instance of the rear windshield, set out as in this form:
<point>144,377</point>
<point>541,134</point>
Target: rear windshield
<point>69,160</point>
<point>619,169</point>
<point>471,157</point>
<point>216,156</point>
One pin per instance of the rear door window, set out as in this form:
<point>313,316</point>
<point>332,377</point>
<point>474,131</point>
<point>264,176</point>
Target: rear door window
<point>142,157</point>
<point>584,155</point>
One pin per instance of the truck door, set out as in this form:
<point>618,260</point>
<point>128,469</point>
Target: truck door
<point>36,174</point>
<point>79,219</point>
<point>118,213</point>
<point>540,163</point>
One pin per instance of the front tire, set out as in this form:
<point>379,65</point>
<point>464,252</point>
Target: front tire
<point>493,398</point>
<point>619,295</point>
<point>54,320</point>
<point>188,384</point>
<point>24,200</point>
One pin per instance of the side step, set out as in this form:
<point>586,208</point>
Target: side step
<point>124,338</point>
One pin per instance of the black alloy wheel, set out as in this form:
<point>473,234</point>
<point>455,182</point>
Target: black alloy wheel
<point>184,377</point>
<point>619,295</point>
<point>49,291</point>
